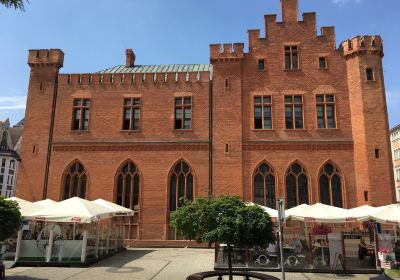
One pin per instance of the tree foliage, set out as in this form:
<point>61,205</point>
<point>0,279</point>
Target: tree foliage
<point>10,218</point>
<point>225,219</point>
<point>16,4</point>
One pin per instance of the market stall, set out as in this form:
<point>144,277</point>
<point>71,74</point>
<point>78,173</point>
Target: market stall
<point>325,238</point>
<point>71,231</point>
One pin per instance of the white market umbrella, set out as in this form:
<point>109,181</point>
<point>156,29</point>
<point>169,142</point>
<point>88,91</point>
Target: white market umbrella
<point>271,212</point>
<point>364,212</point>
<point>388,214</point>
<point>321,213</point>
<point>26,207</point>
<point>75,210</point>
<point>117,209</point>
<point>45,203</point>
<point>294,210</point>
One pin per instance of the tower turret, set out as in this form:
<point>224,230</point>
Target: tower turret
<point>370,127</point>
<point>40,108</point>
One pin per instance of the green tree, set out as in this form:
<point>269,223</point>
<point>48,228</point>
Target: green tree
<point>10,218</point>
<point>225,219</point>
<point>16,4</point>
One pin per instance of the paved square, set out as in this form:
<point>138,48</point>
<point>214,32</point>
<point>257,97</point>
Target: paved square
<point>146,264</point>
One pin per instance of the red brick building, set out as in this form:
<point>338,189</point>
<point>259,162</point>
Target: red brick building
<point>294,117</point>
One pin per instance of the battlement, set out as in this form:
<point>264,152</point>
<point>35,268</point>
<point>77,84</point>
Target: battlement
<point>45,57</point>
<point>309,18</point>
<point>362,44</point>
<point>226,51</point>
<point>136,79</point>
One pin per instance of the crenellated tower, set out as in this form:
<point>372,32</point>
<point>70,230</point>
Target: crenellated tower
<point>39,117</point>
<point>370,128</point>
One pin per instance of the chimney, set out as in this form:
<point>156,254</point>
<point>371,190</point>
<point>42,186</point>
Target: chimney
<point>289,10</point>
<point>130,58</point>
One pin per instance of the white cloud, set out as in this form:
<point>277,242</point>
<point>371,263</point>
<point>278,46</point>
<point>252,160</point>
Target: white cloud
<point>12,102</point>
<point>341,3</point>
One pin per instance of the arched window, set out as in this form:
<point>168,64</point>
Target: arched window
<point>330,186</point>
<point>296,186</point>
<point>180,185</point>
<point>127,186</point>
<point>75,181</point>
<point>264,186</point>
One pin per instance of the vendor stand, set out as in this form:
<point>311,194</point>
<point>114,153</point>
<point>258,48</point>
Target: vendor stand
<point>73,231</point>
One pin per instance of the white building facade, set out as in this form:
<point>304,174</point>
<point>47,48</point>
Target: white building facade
<point>395,141</point>
<point>10,140</point>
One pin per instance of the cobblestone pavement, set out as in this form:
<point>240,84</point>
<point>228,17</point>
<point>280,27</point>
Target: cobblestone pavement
<point>147,264</point>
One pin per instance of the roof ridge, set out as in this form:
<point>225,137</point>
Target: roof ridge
<point>160,68</point>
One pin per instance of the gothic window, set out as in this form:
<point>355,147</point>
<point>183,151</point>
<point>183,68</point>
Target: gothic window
<point>296,186</point>
<point>127,186</point>
<point>75,181</point>
<point>181,185</point>
<point>180,190</point>
<point>330,186</point>
<point>264,186</point>
<point>127,194</point>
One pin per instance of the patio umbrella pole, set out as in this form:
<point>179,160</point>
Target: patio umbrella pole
<point>18,249</point>
<point>281,221</point>
<point>74,231</point>
<point>97,239</point>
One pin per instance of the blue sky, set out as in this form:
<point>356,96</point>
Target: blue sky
<point>95,33</point>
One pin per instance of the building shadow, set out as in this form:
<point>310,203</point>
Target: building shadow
<point>119,262</point>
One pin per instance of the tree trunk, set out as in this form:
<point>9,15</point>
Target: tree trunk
<point>230,262</point>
